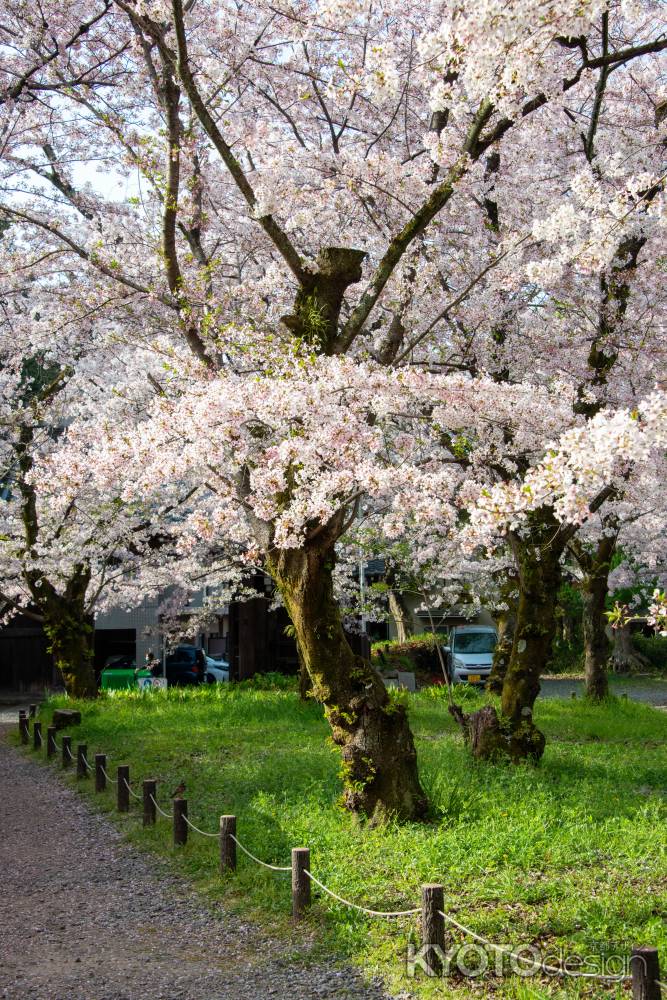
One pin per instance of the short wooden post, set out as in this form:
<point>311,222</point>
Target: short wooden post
<point>67,750</point>
<point>32,711</point>
<point>81,755</point>
<point>123,798</point>
<point>24,728</point>
<point>227,845</point>
<point>180,826</point>
<point>300,881</point>
<point>433,927</point>
<point>51,747</point>
<point>645,968</point>
<point>36,735</point>
<point>150,792</point>
<point>21,718</point>
<point>100,768</point>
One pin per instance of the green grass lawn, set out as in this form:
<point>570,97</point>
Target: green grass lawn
<point>571,855</point>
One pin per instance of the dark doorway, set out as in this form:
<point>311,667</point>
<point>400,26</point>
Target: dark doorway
<point>25,662</point>
<point>114,642</point>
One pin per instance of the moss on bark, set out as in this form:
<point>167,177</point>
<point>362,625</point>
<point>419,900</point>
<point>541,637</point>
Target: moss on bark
<point>379,760</point>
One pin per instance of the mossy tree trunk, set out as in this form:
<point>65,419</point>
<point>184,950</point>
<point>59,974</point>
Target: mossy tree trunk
<point>512,733</point>
<point>594,587</point>
<point>67,623</point>
<point>538,562</point>
<point>506,625</point>
<point>70,630</point>
<point>379,761</point>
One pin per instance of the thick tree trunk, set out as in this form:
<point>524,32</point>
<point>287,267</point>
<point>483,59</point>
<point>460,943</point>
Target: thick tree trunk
<point>378,754</point>
<point>513,733</point>
<point>596,644</point>
<point>399,613</point>
<point>506,625</point>
<point>70,632</point>
<point>539,578</point>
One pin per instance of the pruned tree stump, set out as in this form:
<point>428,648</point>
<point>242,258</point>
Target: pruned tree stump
<point>489,738</point>
<point>64,717</point>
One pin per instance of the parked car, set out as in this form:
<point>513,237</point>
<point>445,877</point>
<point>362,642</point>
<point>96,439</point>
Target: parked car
<point>470,653</point>
<point>217,670</point>
<point>185,665</point>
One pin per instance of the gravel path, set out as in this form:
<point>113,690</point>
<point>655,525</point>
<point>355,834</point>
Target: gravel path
<point>86,917</point>
<point>653,692</point>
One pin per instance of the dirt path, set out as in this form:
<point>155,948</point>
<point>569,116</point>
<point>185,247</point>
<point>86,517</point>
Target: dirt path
<point>86,917</point>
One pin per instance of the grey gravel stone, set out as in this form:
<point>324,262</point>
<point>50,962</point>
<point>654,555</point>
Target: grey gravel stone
<point>86,917</point>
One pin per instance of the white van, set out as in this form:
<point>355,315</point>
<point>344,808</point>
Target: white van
<point>470,653</point>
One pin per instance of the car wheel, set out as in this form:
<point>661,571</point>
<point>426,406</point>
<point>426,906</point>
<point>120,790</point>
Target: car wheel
<point>210,679</point>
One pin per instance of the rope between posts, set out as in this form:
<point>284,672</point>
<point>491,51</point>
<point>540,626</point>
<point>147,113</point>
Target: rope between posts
<point>554,970</point>
<point>129,788</point>
<point>355,906</point>
<point>522,958</point>
<point>274,868</point>
<point>161,811</point>
<point>196,828</point>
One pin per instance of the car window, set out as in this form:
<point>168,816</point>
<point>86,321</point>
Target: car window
<point>474,642</point>
<point>181,656</point>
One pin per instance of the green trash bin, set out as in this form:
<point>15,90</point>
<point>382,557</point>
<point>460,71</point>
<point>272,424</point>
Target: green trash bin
<point>117,678</point>
<point>119,673</point>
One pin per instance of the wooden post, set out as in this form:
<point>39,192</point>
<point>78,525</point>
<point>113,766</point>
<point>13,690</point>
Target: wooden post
<point>51,747</point>
<point>180,826</point>
<point>433,926</point>
<point>100,768</point>
<point>150,793</point>
<point>645,968</point>
<point>21,718</point>
<point>300,881</point>
<point>123,797</point>
<point>227,845</point>
<point>81,754</point>
<point>24,728</point>
<point>67,750</point>
<point>32,711</point>
<point>37,735</point>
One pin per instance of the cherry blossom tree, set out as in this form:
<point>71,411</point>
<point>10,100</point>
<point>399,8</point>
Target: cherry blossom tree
<point>329,193</point>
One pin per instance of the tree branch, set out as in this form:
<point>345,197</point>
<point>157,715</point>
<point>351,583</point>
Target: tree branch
<point>278,237</point>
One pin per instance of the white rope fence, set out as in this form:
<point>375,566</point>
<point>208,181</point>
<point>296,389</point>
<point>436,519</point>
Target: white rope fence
<point>552,969</point>
<point>273,868</point>
<point>197,830</point>
<point>647,968</point>
<point>130,790</point>
<point>355,906</point>
<point>159,809</point>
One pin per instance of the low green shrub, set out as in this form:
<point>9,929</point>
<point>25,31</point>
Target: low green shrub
<point>418,653</point>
